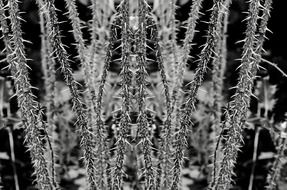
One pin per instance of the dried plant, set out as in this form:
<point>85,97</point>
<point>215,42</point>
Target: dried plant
<point>134,113</point>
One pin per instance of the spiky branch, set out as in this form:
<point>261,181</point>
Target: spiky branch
<point>30,108</point>
<point>61,55</point>
<point>189,106</point>
<point>141,82</point>
<point>126,81</point>
<point>236,115</point>
<point>218,69</point>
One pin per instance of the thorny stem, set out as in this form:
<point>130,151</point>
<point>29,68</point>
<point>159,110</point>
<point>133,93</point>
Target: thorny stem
<point>48,67</point>
<point>89,80</point>
<point>81,48</point>
<point>96,31</point>
<point>61,55</point>
<point>31,113</point>
<point>185,114</point>
<point>101,12</point>
<point>189,36</point>
<point>126,76</point>
<point>167,34</point>
<point>237,113</point>
<point>274,174</point>
<point>103,149</point>
<point>141,75</point>
<point>167,123</point>
<point>173,37</point>
<point>208,50</point>
<point>266,8</point>
<point>94,68</point>
<point>94,145</point>
<point>80,43</point>
<point>175,98</point>
<point>218,69</point>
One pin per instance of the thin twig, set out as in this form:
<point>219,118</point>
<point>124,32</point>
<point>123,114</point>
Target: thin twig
<point>275,66</point>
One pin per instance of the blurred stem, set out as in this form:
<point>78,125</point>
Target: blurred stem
<point>254,159</point>
<point>274,174</point>
<point>11,142</point>
<point>48,68</point>
<point>172,23</point>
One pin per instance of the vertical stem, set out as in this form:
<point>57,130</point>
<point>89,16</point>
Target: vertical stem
<point>180,141</point>
<point>167,137</point>
<point>173,28</point>
<point>141,75</point>
<point>254,157</point>
<point>189,106</point>
<point>11,142</point>
<point>29,108</point>
<point>49,11</point>
<point>236,115</point>
<point>126,76</point>
<point>218,69</point>
<point>48,67</point>
<point>274,173</point>
<point>189,36</point>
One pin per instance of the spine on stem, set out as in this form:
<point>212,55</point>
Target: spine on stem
<point>60,54</point>
<point>30,108</point>
<point>189,36</point>
<point>165,164</point>
<point>49,70</point>
<point>274,174</point>
<point>126,81</point>
<point>218,68</point>
<point>189,105</point>
<point>141,75</point>
<point>236,116</point>
<point>175,96</point>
